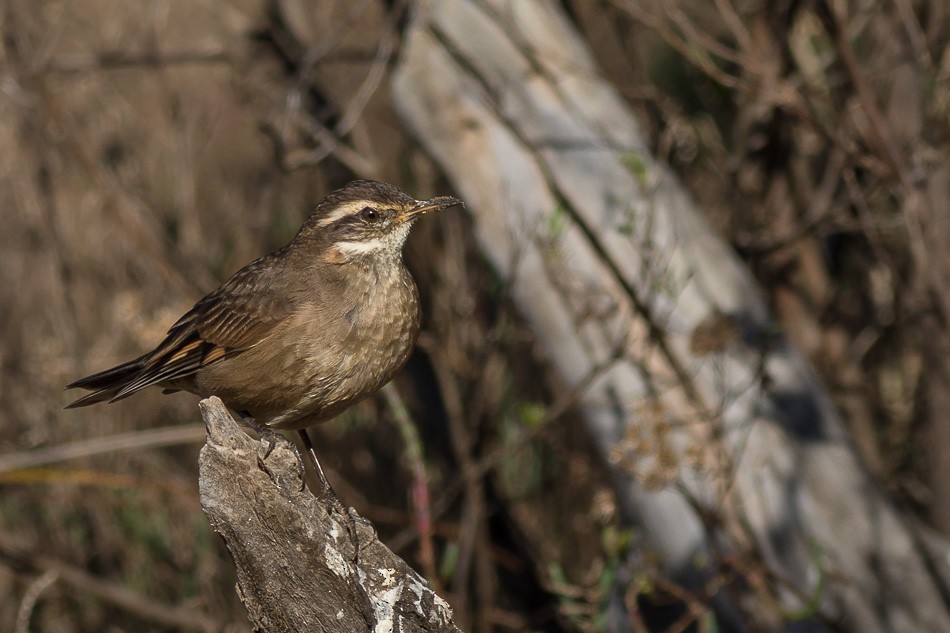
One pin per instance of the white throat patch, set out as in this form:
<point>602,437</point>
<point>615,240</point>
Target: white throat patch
<point>363,247</point>
<point>391,242</point>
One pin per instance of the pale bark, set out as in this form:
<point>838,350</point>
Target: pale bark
<point>706,405</point>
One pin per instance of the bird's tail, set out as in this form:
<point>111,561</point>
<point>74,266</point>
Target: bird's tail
<point>106,384</point>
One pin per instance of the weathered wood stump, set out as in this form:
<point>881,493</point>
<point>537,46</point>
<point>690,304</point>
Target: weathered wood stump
<point>302,564</point>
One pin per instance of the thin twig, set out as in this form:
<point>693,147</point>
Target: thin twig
<point>36,589</point>
<point>413,453</point>
<point>491,460</point>
<point>113,60</point>
<point>473,512</point>
<point>374,78</point>
<point>698,55</point>
<point>145,607</point>
<point>820,209</point>
<point>138,440</point>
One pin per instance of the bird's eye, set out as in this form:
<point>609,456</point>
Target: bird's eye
<point>370,214</point>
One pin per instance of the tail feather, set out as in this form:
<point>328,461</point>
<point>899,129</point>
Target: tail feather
<point>106,384</point>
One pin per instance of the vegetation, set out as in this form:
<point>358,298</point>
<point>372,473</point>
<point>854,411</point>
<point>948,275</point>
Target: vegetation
<point>151,149</point>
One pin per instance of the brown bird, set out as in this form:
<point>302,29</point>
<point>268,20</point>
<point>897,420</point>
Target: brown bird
<point>297,336</point>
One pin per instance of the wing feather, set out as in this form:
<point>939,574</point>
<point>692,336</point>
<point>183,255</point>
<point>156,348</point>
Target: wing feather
<point>232,319</point>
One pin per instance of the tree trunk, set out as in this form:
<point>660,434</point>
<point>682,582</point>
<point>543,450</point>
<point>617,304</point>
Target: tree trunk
<point>721,440</point>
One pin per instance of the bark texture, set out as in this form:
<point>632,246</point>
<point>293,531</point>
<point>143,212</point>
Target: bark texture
<point>301,564</point>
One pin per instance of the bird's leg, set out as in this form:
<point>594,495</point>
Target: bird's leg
<point>326,492</point>
<point>264,433</point>
<point>327,495</point>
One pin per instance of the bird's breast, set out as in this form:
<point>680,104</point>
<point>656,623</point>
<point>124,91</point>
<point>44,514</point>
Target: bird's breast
<point>330,353</point>
<point>350,347</point>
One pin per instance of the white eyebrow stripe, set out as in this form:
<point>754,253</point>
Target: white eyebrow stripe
<point>341,212</point>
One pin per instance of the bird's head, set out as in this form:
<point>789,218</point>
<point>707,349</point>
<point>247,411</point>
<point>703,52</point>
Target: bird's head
<point>366,221</point>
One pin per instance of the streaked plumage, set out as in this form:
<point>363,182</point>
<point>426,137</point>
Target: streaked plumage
<point>298,335</point>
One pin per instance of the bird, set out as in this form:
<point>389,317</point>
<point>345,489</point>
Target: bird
<point>300,334</point>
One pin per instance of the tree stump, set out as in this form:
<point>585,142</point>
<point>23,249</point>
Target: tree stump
<point>302,564</point>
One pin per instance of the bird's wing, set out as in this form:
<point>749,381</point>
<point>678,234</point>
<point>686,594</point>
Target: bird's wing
<point>234,318</point>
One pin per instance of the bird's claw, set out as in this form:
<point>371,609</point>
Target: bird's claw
<point>270,438</point>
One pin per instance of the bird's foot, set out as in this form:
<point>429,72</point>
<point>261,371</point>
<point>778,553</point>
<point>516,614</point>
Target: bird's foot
<point>270,438</point>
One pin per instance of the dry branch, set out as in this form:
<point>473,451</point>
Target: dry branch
<point>80,583</point>
<point>302,564</point>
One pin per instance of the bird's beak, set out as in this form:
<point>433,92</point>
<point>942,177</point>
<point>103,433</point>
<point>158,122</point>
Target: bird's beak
<point>427,206</point>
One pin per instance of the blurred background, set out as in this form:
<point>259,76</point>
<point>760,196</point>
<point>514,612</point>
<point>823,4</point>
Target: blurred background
<point>150,149</point>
